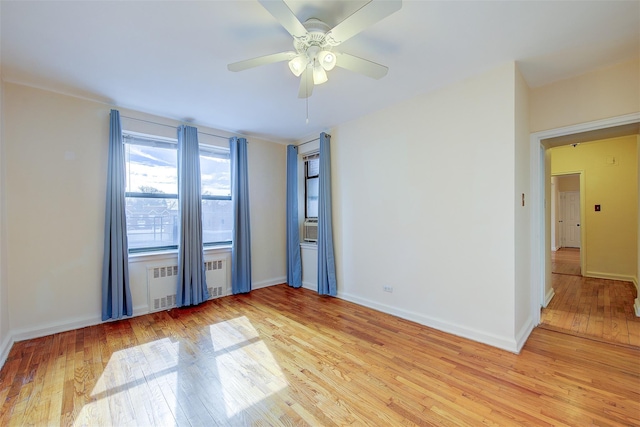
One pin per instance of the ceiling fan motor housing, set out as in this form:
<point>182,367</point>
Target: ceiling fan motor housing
<point>316,36</point>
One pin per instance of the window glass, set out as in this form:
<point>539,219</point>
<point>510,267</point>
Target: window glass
<point>152,194</point>
<point>312,181</point>
<point>217,210</point>
<point>312,197</point>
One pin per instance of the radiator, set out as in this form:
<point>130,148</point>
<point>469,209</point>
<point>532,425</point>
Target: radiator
<point>162,283</point>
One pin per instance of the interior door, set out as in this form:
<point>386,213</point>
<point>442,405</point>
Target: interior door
<point>571,219</point>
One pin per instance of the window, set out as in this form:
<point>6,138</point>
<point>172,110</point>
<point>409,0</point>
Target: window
<point>217,210</point>
<point>152,193</point>
<point>311,184</point>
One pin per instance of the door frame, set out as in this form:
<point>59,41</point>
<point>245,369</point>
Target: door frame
<point>540,188</point>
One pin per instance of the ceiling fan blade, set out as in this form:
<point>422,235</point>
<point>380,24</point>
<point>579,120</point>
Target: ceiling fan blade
<point>362,66</point>
<point>367,15</point>
<point>284,15</point>
<point>306,83</point>
<point>261,60</point>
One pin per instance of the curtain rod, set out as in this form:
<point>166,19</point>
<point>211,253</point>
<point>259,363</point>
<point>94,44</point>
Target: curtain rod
<point>173,127</point>
<point>306,142</point>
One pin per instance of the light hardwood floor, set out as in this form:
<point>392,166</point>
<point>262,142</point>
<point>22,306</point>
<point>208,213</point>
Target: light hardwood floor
<point>596,308</point>
<point>283,356</point>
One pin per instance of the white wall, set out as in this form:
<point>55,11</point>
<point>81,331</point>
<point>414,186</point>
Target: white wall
<point>55,155</point>
<point>423,197</point>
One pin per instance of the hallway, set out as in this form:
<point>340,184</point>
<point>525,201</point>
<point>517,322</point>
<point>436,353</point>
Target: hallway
<point>597,308</point>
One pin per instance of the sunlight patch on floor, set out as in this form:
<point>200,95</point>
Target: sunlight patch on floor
<point>182,382</point>
<point>247,370</point>
<point>131,381</point>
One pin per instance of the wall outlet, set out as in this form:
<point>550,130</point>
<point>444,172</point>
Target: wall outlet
<point>387,289</point>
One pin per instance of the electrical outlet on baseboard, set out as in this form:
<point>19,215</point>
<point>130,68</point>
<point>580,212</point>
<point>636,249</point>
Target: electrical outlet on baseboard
<point>387,289</point>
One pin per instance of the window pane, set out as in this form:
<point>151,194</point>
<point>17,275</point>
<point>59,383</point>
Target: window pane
<point>216,176</point>
<point>313,167</point>
<point>151,169</point>
<point>152,222</point>
<point>312,197</point>
<point>217,221</point>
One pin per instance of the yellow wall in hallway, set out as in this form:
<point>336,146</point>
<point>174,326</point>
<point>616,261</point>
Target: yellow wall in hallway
<point>611,180</point>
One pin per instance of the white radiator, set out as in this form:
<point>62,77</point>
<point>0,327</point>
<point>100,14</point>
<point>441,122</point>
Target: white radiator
<point>162,283</point>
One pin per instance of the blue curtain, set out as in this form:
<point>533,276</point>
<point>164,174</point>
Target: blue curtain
<point>241,249</point>
<point>116,295</point>
<point>326,261</point>
<point>294,264</point>
<point>192,284</point>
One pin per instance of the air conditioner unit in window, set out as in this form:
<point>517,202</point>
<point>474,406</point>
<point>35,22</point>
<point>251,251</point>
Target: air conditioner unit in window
<point>311,230</point>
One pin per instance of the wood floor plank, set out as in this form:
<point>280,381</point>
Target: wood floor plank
<point>283,356</point>
<point>598,308</point>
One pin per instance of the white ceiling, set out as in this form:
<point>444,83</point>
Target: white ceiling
<point>169,57</point>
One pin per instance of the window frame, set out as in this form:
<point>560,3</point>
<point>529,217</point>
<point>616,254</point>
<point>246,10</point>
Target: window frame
<point>136,138</point>
<point>306,159</point>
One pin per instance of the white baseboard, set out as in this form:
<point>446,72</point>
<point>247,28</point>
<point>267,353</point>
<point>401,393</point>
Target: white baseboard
<point>610,276</point>
<point>636,306</point>
<point>523,334</point>
<point>81,322</point>
<point>5,348</point>
<point>270,282</point>
<point>310,286</point>
<point>504,343</point>
<point>548,297</point>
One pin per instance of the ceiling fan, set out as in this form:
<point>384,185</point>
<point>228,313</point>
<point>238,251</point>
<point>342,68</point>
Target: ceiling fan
<point>314,41</point>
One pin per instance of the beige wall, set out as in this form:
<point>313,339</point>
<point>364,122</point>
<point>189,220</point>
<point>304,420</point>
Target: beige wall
<point>608,92</point>
<point>55,154</point>
<point>610,180</point>
<point>4,288</point>
<point>421,206</point>
<point>522,213</point>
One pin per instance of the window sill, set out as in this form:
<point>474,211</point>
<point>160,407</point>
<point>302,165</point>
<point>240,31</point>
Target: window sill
<point>173,253</point>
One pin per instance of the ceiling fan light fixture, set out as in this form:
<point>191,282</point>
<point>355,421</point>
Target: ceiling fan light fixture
<point>297,65</point>
<point>327,59</point>
<point>319,75</point>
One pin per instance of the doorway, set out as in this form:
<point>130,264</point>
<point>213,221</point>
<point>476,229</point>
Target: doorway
<point>541,272</point>
<point>596,306</point>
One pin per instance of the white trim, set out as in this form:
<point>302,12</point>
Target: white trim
<point>538,234</point>
<point>78,323</point>
<point>609,276</point>
<point>5,348</point>
<point>548,297</point>
<point>311,286</point>
<point>505,343</point>
<point>636,306</point>
<point>270,282</point>
<point>523,334</point>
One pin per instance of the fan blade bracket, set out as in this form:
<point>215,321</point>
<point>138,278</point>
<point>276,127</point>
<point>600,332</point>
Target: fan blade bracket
<point>369,14</point>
